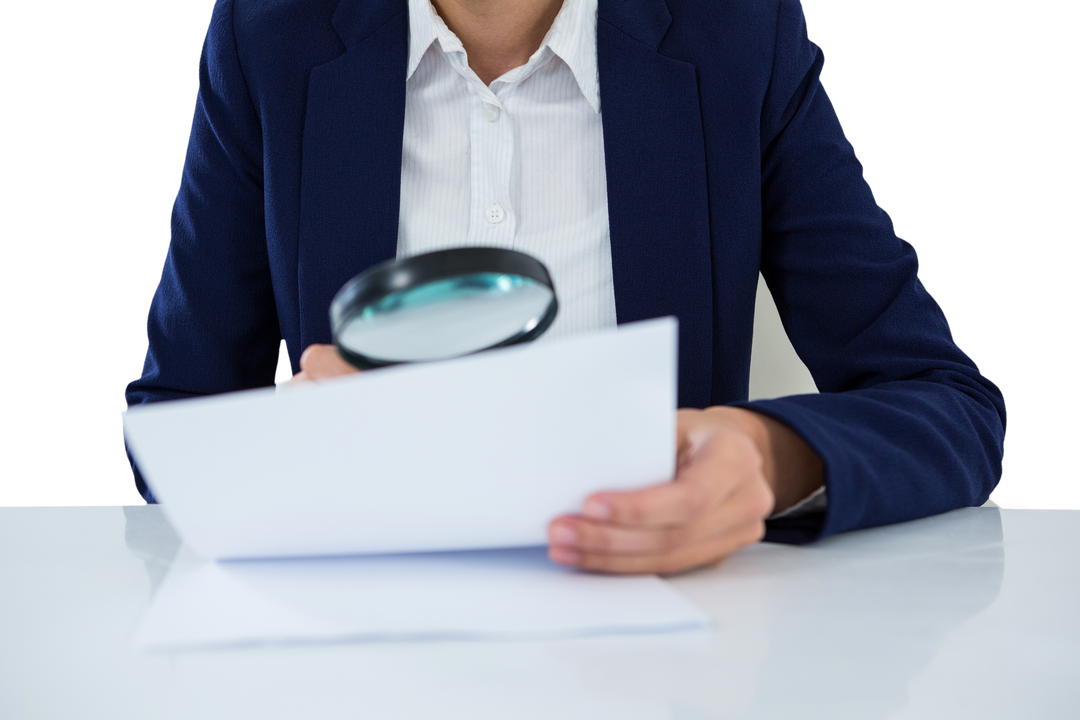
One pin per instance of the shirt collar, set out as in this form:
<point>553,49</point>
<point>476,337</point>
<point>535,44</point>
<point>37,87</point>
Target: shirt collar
<point>572,37</point>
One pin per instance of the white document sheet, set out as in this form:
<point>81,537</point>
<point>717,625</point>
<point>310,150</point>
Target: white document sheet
<point>479,452</point>
<point>487,594</point>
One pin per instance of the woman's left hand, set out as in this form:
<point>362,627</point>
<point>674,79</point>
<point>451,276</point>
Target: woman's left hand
<point>729,470</point>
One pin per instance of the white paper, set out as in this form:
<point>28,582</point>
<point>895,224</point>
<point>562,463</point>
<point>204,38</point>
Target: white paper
<point>489,594</point>
<point>479,452</point>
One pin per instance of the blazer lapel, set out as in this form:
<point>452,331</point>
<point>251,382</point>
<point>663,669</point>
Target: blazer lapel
<point>654,149</point>
<point>658,208</point>
<point>351,166</point>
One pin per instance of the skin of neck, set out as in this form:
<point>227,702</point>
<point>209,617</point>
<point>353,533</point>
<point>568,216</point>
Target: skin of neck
<point>498,35</point>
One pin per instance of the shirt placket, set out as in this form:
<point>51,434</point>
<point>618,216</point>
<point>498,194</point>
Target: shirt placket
<point>492,217</point>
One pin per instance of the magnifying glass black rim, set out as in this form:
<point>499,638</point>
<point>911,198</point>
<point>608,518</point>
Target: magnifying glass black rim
<point>394,276</point>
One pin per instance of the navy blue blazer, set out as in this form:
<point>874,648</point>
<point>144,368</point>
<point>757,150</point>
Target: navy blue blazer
<point>724,157</point>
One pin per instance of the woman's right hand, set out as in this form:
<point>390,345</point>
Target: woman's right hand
<point>321,362</point>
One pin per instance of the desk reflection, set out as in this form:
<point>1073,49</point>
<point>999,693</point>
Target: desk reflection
<point>150,538</point>
<point>840,628</point>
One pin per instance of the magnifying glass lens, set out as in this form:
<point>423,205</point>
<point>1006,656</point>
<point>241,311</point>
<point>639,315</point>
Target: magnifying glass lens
<point>446,318</point>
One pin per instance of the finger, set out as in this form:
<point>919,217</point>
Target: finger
<point>591,536</point>
<point>320,362</point>
<point>709,552</point>
<point>750,502</point>
<point>710,473</point>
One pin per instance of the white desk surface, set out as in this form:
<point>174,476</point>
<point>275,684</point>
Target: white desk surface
<point>973,614</point>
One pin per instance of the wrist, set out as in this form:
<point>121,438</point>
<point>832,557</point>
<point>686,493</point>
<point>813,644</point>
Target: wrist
<point>792,470</point>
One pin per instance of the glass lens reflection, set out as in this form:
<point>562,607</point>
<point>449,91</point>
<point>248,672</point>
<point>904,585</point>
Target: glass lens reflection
<point>447,318</point>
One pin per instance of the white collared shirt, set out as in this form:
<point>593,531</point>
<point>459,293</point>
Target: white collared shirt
<point>519,164</point>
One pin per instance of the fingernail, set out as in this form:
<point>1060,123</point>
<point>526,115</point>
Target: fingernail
<point>563,535</point>
<point>596,510</point>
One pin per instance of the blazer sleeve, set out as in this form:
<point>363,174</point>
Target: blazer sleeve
<point>905,423</point>
<point>213,323</point>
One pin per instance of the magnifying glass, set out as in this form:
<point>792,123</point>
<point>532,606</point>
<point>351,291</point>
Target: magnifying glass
<point>441,305</point>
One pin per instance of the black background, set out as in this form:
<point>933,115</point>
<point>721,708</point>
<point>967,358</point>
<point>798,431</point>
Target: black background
<point>933,103</point>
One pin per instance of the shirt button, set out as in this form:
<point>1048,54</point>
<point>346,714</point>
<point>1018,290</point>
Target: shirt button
<point>495,214</point>
<point>491,112</point>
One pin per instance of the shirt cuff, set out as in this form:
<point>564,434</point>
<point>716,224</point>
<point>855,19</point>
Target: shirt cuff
<point>815,502</point>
